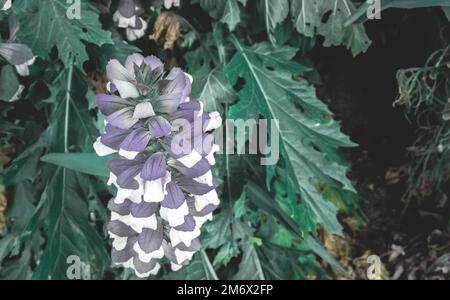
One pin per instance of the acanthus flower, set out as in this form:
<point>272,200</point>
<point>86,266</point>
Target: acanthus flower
<point>128,17</point>
<point>165,187</point>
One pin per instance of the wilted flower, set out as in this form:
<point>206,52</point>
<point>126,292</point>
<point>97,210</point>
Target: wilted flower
<point>127,16</point>
<point>6,5</point>
<point>165,187</point>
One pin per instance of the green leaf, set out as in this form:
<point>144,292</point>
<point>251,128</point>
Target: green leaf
<point>304,134</point>
<point>360,14</point>
<point>239,206</point>
<point>67,217</point>
<point>120,50</point>
<point>209,85</point>
<point>323,253</point>
<point>44,24</point>
<point>226,252</point>
<point>250,266</point>
<point>308,17</point>
<point>87,163</point>
<point>210,274</point>
<point>279,263</point>
<point>274,12</point>
<point>10,88</point>
<point>447,12</point>
<point>68,211</point>
<point>262,199</point>
<point>215,90</point>
<point>227,11</point>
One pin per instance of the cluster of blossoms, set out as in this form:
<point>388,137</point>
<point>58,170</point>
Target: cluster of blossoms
<point>165,188</point>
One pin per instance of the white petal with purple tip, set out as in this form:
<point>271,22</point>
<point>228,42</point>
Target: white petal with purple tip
<point>183,256</point>
<point>154,271</point>
<point>206,178</point>
<point>175,216</point>
<point>191,159</point>
<point>147,257</point>
<point>137,224</point>
<point>204,200</point>
<point>155,190</point>
<point>101,149</point>
<point>122,194</point>
<point>123,22</point>
<point>185,237</point>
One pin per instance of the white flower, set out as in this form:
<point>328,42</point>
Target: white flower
<point>123,22</point>
<point>136,33</point>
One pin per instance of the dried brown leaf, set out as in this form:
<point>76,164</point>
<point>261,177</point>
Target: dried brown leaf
<point>166,30</point>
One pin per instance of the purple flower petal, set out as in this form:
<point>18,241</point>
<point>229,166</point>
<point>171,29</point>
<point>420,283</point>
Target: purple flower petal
<point>109,104</point>
<point>136,141</point>
<point>182,82</point>
<point>122,209</point>
<point>198,169</point>
<point>173,91</point>
<point>159,127</point>
<point>122,79</point>
<point>154,167</point>
<point>150,240</point>
<point>125,254</point>
<point>153,62</point>
<point>193,187</point>
<point>123,118</point>
<point>174,198</point>
<point>144,267</point>
<point>143,209</point>
<point>120,229</point>
<point>126,170</point>
<point>115,71</point>
<point>133,60</point>
<point>114,136</point>
<point>195,245</point>
<point>188,225</point>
